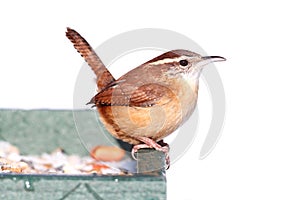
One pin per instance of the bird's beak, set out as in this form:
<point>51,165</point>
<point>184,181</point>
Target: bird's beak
<point>205,60</point>
<point>214,58</point>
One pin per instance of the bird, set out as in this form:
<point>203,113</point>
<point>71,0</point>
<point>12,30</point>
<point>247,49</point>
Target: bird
<point>151,101</point>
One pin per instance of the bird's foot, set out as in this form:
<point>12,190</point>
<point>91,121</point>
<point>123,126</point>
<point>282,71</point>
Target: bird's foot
<point>149,143</point>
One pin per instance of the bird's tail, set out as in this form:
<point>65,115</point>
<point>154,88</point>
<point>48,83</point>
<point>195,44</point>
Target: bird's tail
<point>104,77</point>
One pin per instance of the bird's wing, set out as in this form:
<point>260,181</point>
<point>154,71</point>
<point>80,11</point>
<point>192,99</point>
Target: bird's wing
<point>130,95</point>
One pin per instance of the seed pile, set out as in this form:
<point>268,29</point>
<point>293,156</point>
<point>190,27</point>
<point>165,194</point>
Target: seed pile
<point>57,162</point>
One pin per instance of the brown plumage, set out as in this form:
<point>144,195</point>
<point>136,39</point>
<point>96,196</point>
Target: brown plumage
<point>149,102</point>
<point>104,77</point>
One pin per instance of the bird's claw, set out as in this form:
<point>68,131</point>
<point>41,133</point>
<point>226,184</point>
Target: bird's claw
<point>149,143</point>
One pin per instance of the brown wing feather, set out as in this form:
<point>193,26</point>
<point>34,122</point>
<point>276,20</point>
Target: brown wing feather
<point>104,77</point>
<point>148,95</point>
<point>143,96</point>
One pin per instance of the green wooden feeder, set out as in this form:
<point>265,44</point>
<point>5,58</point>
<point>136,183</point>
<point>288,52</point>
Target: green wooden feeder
<point>36,131</point>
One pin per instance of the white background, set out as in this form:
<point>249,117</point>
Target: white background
<point>258,155</point>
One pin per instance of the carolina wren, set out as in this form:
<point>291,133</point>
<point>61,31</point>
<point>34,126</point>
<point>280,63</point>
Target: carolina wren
<point>149,102</point>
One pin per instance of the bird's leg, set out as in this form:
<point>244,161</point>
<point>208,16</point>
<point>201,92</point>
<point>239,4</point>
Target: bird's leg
<point>135,148</point>
<point>149,143</point>
<point>164,145</point>
<point>167,147</point>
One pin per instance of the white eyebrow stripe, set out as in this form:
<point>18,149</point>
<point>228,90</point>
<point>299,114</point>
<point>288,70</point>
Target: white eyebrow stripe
<point>166,60</point>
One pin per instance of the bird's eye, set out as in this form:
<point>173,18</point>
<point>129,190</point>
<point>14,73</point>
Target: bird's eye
<point>183,63</point>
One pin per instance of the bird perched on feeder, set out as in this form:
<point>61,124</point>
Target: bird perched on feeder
<point>151,101</point>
